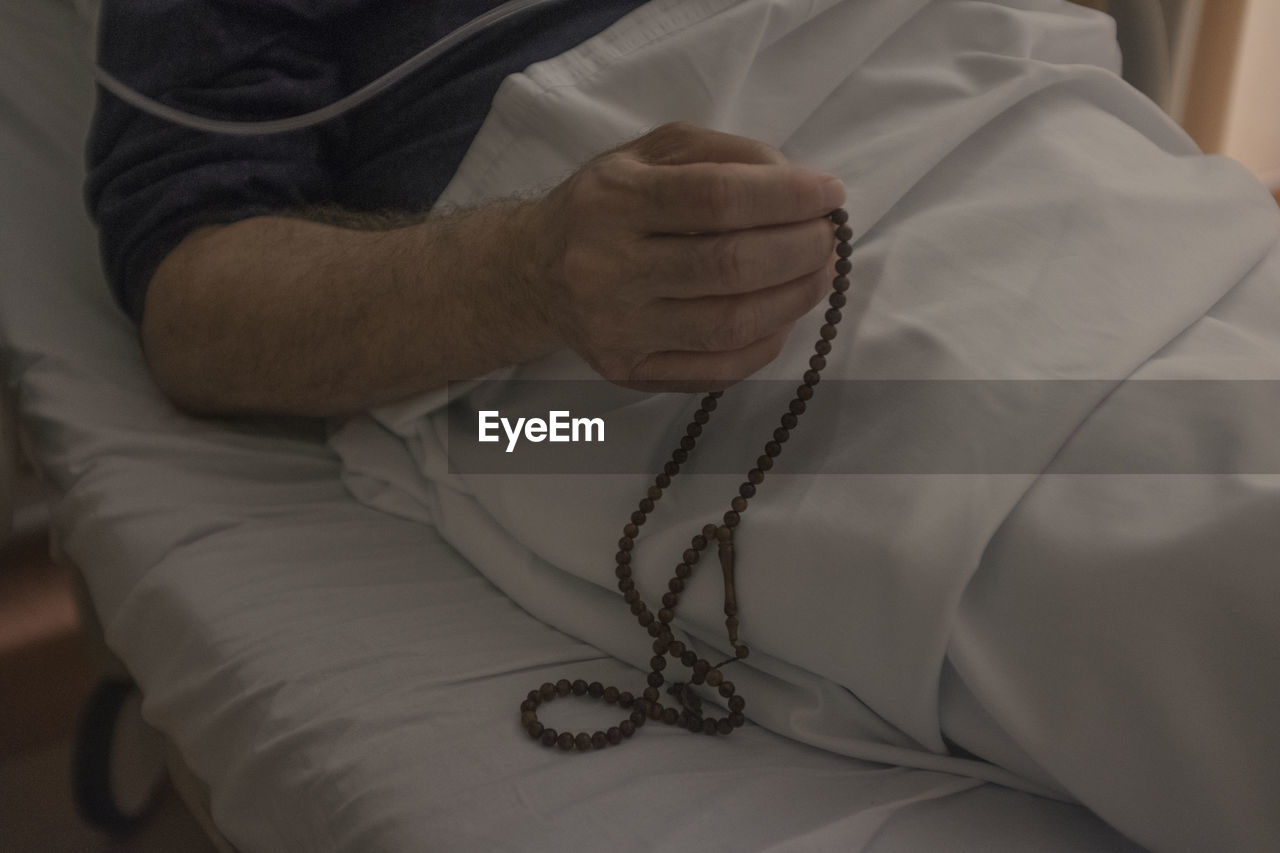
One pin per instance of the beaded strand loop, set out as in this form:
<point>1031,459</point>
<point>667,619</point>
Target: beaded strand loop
<point>648,706</point>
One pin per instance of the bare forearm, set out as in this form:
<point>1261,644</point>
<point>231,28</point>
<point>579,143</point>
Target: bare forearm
<point>680,260</point>
<point>307,317</point>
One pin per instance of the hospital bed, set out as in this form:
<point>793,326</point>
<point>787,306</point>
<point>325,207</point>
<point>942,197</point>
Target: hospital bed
<point>332,677</point>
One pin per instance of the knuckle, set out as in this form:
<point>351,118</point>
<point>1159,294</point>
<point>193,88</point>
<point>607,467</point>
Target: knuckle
<point>725,263</point>
<point>735,329</point>
<point>721,192</point>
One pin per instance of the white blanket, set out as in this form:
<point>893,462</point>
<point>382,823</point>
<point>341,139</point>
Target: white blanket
<point>1020,214</point>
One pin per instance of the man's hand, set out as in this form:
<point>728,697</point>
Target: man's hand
<point>681,260</point>
<point>678,261</point>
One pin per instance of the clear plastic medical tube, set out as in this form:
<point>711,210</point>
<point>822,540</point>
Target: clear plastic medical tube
<point>326,113</point>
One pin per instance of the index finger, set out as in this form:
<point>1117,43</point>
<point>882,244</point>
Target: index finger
<point>717,197</point>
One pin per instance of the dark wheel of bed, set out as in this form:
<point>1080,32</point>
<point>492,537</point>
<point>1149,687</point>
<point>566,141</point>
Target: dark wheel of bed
<point>118,768</point>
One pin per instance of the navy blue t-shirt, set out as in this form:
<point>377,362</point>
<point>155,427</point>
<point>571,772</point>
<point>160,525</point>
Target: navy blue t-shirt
<point>151,182</point>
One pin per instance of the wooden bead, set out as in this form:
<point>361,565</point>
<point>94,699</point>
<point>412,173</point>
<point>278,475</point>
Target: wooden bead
<point>664,644</point>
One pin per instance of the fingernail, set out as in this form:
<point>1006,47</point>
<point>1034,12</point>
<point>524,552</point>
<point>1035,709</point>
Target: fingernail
<point>833,192</point>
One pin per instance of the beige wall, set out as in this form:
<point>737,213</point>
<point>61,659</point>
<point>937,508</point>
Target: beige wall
<point>1252,131</point>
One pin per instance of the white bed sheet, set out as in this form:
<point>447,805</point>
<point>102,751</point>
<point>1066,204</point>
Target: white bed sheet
<point>1088,620</point>
<point>341,678</point>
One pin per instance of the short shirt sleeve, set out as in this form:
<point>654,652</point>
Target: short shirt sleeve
<point>151,182</point>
